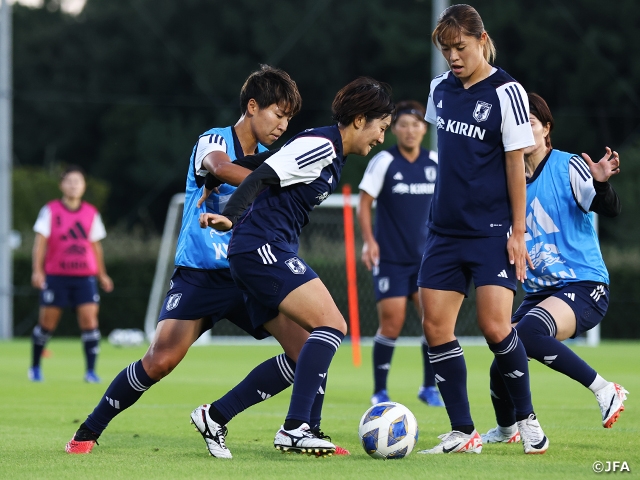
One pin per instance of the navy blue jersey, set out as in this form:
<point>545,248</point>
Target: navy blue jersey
<point>403,192</point>
<point>309,167</point>
<point>476,126</point>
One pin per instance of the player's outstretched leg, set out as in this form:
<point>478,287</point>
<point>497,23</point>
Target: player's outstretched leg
<point>538,330</point>
<point>124,391</point>
<point>507,429</point>
<point>428,392</point>
<point>451,371</point>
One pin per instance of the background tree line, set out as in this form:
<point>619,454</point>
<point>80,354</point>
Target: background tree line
<point>125,87</point>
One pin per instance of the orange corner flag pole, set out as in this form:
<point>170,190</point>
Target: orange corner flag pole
<point>352,282</point>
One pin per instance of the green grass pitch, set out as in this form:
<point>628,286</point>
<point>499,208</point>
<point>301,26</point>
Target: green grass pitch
<point>154,439</point>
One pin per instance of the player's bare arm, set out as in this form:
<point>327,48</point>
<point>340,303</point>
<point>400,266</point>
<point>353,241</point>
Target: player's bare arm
<point>370,248</point>
<point>516,184</point>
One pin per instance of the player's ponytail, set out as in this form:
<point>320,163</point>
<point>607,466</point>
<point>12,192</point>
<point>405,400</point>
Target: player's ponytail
<point>459,20</point>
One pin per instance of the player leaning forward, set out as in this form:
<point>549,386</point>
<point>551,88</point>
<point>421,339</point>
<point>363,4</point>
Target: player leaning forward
<point>264,246</point>
<point>202,291</point>
<point>567,293</point>
<point>476,223</point>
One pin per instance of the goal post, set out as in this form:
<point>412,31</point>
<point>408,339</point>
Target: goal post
<point>322,245</point>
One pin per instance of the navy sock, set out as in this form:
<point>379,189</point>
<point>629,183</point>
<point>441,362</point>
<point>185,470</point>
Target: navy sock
<point>429,379</point>
<point>39,338</point>
<point>266,380</point>
<point>537,330</point>
<point>450,372</point>
<point>382,353</point>
<point>124,391</point>
<point>90,342</point>
<point>512,362</point>
<point>316,408</point>
<point>502,404</point>
<point>311,370</point>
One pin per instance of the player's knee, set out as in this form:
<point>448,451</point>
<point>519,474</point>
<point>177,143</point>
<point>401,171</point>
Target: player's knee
<point>159,364</point>
<point>495,332</point>
<point>534,326</point>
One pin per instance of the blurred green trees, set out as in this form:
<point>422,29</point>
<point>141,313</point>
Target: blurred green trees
<point>125,87</point>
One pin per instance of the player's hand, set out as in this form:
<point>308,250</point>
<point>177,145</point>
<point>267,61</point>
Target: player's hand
<point>370,254</point>
<point>215,221</point>
<point>38,280</point>
<point>518,255</point>
<point>205,194</point>
<point>105,282</point>
<point>608,166</point>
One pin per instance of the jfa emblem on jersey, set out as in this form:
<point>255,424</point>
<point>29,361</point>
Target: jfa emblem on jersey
<point>440,122</point>
<point>430,173</point>
<point>482,111</point>
<point>173,301</point>
<point>296,265</point>
<point>383,284</point>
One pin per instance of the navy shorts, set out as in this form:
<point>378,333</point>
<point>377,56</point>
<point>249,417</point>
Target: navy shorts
<point>588,300</point>
<point>65,291</point>
<point>208,294</point>
<point>395,280</point>
<point>266,276</point>
<point>450,263</point>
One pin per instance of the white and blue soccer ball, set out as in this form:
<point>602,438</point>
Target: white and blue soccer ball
<point>388,430</point>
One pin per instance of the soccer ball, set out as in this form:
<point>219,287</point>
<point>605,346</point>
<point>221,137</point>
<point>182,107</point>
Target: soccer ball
<point>388,430</point>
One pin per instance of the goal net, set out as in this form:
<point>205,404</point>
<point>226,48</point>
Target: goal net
<point>322,246</point>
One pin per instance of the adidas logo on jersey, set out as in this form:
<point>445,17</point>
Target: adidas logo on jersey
<point>461,128</point>
<point>439,104</point>
<point>571,296</point>
<point>398,176</point>
<point>503,274</point>
<point>263,395</point>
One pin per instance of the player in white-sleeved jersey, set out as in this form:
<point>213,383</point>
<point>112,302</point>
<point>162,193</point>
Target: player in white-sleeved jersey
<point>263,253</point>
<point>476,223</point>
<point>401,180</point>
<point>202,291</point>
<point>567,291</point>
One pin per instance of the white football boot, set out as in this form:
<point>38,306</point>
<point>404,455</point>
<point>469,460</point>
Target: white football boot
<point>213,433</point>
<point>457,442</point>
<point>302,440</point>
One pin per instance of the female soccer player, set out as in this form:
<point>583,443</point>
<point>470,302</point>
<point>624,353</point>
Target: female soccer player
<point>476,223</point>
<point>67,258</point>
<point>202,291</point>
<point>264,246</point>
<point>401,180</point>
<point>567,291</point>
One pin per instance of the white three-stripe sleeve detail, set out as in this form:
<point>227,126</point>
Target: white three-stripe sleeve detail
<point>302,160</point>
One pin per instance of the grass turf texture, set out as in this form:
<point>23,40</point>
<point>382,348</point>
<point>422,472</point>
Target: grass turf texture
<point>153,439</point>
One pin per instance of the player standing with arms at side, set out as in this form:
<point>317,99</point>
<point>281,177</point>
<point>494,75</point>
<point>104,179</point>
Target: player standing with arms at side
<point>67,258</point>
<point>202,291</point>
<point>476,223</point>
<point>567,292</point>
<point>401,180</point>
<point>264,247</point>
